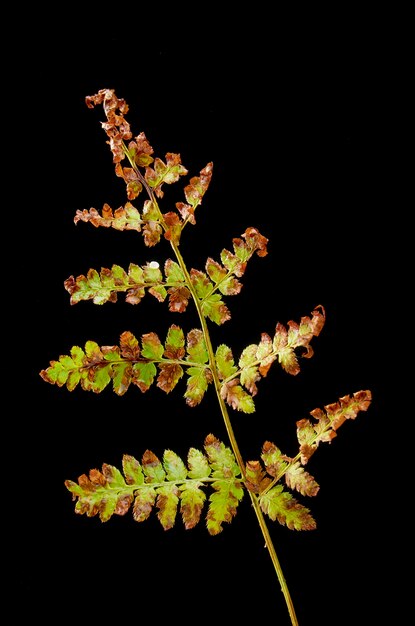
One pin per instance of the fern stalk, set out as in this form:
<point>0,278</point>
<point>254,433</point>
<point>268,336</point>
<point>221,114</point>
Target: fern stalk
<point>217,384</point>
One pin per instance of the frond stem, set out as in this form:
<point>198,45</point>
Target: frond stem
<point>235,448</point>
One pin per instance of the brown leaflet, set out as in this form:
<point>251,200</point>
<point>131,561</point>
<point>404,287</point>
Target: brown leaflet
<point>141,150</point>
<point>256,479</point>
<point>178,298</point>
<point>94,217</point>
<point>186,211</point>
<point>174,227</point>
<point>311,434</point>
<point>198,185</point>
<point>152,233</point>
<point>116,127</point>
<point>255,241</point>
<point>131,179</point>
<point>129,346</point>
<point>169,376</point>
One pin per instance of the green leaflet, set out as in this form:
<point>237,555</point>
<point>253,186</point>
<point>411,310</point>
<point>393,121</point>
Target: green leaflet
<point>215,309</point>
<point>282,506</point>
<point>223,504</point>
<point>197,384</point>
<point>224,362</point>
<point>165,484</point>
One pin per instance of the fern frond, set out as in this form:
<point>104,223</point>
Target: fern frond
<point>95,367</point>
<point>276,502</point>
<point>123,218</point>
<point>256,359</point>
<point>147,172</point>
<point>164,172</point>
<point>104,286</point>
<point>310,434</point>
<point>194,193</point>
<point>223,278</point>
<point>167,484</point>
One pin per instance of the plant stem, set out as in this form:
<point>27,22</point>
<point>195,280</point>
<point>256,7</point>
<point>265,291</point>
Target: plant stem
<point>235,448</point>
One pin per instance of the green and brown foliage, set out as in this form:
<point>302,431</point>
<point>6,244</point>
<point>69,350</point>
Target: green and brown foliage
<point>217,477</point>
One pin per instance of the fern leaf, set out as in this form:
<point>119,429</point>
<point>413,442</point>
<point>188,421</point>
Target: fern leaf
<point>101,493</point>
<point>218,278</point>
<point>96,367</point>
<point>215,309</point>
<point>297,336</point>
<point>198,464</point>
<point>225,362</point>
<point>140,151</point>
<point>223,504</point>
<point>167,503</point>
<point>274,461</point>
<point>165,484</point>
<point>164,172</point>
<point>278,465</point>
<point>194,192</point>
<point>282,506</point>
<point>256,479</point>
<point>328,421</point>
<point>105,286</point>
<point>297,478</point>
<point>198,377</point>
<point>123,218</point>
<point>192,501</point>
<point>228,493</point>
<point>236,397</point>
<point>197,384</point>
<point>256,359</point>
<point>144,500</point>
<point>231,391</point>
<point>177,290</point>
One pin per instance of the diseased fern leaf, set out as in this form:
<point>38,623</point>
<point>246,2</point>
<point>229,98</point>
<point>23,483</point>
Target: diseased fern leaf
<point>123,218</point>
<point>222,278</point>
<point>104,286</point>
<point>95,367</point>
<point>256,359</point>
<point>194,193</point>
<point>169,485</point>
<point>274,500</point>
<point>164,172</point>
<point>282,506</point>
<point>146,172</point>
<point>328,421</point>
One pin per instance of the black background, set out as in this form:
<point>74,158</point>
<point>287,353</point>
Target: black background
<point>298,125</point>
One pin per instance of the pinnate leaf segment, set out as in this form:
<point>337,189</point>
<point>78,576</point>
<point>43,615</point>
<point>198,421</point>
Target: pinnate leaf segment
<point>172,486</point>
<point>216,478</point>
